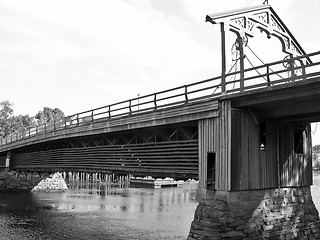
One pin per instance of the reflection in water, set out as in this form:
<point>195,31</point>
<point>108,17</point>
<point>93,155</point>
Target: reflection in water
<point>100,211</point>
<point>104,211</point>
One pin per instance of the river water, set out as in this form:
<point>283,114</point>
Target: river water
<point>100,212</point>
<point>105,212</point>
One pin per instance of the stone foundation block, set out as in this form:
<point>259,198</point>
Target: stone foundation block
<point>286,213</point>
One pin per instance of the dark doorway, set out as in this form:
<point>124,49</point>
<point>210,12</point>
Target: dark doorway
<point>211,170</point>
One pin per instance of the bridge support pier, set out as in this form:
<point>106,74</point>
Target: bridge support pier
<point>262,172</point>
<point>12,181</point>
<point>280,213</point>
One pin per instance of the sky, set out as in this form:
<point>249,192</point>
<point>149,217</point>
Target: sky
<point>77,55</point>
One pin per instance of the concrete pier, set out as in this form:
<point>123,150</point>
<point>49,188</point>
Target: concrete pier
<point>53,183</point>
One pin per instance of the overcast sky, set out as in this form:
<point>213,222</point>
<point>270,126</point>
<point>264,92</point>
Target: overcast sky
<point>77,55</point>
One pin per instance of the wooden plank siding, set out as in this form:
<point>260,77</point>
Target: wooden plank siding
<point>307,164</point>
<point>278,165</point>
<point>215,136</point>
<point>222,146</point>
<point>270,165</point>
<point>245,153</point>
<point>206,135</point>
<point>295,168</point>
<point>285,154</point>
<point>176,158</point>
<point>253,152</point>
<point>239,153</point>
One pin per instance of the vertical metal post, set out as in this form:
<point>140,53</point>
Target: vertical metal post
<point>240,42</point>
<point>223,58</point>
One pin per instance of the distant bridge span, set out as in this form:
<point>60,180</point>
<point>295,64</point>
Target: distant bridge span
<point>172,132</point>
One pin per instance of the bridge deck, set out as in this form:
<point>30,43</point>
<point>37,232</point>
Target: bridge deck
<point>280,92</point>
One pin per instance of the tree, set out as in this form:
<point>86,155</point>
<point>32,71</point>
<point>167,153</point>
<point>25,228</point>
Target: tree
<point>10,123</point>
<point>49,115</point>
<point>316,158</point>
<point>5,118</point>
<point>22,122</point>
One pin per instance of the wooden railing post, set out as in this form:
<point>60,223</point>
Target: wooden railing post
<point>155,101</point>
<point>241,57</point>
<point>186,93</point>
<point>223,58</point>
<point>303,69</point>
<point>130,110</point>
<point>268,75</point>
<point>291,67</point>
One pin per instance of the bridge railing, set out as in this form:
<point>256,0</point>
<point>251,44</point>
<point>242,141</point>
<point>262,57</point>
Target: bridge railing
<point>268,75</point>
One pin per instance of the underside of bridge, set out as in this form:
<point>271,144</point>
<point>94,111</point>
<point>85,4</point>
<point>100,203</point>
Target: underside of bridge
<point>164,151</point>
<point>293,102</point>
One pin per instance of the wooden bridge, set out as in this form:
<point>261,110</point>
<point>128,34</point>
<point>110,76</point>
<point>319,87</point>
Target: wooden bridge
<point>192,131</point>
<point>252,124</point>
<point>245,134</point>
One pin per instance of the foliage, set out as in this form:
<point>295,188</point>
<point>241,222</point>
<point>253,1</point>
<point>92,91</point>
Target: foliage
<point>48,115</point>
<point>22,121</point>
<point>5,118</point>
<point>316,158</point>
<point>10,123</point>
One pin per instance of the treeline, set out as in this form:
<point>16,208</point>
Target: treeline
<point>316,158</point>
<point>9,123</point>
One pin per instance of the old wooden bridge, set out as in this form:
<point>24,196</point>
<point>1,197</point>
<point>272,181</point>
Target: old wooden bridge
<point>192,131</point>
<point>247,129</point>
<point>245,134</point>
